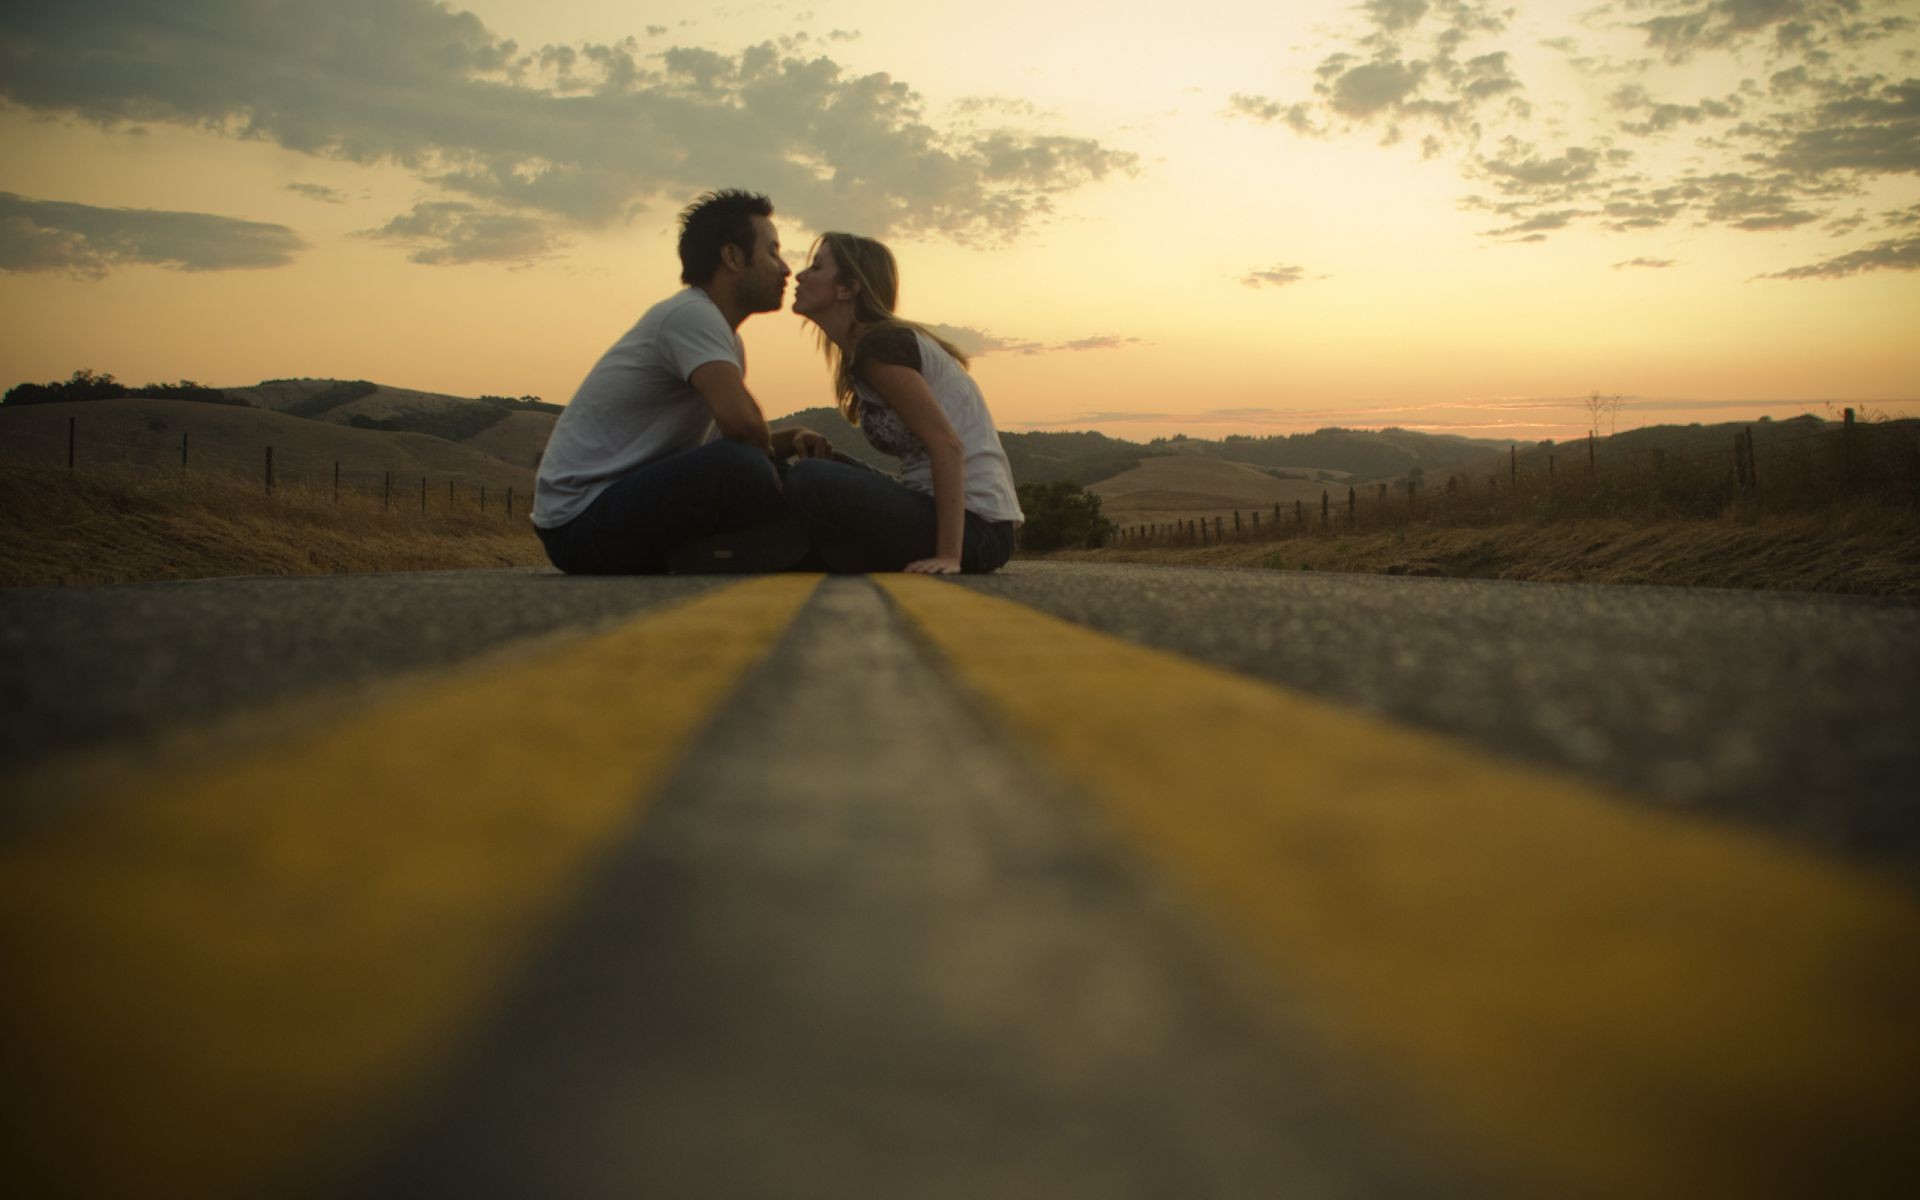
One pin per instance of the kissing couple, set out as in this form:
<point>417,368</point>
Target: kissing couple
<point>663,461</point>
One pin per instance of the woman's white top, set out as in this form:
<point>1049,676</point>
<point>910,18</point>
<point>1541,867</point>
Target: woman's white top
<point>989,478</point>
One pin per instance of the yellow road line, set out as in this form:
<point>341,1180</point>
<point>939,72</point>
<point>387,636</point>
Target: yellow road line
<point>1608,1000</point>
<point>221,973</point>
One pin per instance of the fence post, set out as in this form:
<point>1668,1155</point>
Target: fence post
<point>1410,486</point>
<point>1217,528</point>
<point>1325,518</point>
<point>336,481</point>
<point>1256,520</point>
<point>1300,513</point>
<point>183,452</point>
<point>449,495</point>
<point>423,495</point>
<point>509,504</point>
<point>1236,520</point>
<point>73,425</point>
<point>483,497</point>
<point>1753,470</point>
<point>269,470</point>
<point>1353,502</point>
<point>386,493</point>
<point>1276,511</point>
<point>1846,452</point>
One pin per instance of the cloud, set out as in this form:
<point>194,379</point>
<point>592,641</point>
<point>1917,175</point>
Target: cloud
<point>452,232</point>
<point>320,192</point>
<point>1409,69</point>
<point>974,342</point>
<point>1896,254</point>
<point>1689,27</point>
<point>1278,275</point>
<point>571,136</point>
<point>88,242</point>
<point>1826,111</point>
<point>1107,342</point>
<point>1655,263</point>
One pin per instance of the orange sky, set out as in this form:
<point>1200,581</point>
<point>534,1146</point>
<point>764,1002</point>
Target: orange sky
<point>1438,215</point>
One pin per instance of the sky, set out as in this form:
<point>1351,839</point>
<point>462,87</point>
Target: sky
<point>1147,219</point>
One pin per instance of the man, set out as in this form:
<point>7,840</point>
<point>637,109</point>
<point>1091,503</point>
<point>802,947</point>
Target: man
<point>634,479</point>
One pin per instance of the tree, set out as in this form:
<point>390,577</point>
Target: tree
<point>85,385</point>
<point>1605,408</point>
<point>1061,513</point>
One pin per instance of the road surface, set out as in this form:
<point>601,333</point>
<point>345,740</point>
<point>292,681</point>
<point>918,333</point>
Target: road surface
<point>1068,881</point>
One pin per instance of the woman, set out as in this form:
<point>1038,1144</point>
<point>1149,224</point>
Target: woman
<point>909,392</point>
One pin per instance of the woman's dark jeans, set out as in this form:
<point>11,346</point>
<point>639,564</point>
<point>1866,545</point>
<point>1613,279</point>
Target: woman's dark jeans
<point>861,520</point>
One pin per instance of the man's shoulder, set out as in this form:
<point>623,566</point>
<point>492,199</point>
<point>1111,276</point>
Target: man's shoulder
<point>688,306</point>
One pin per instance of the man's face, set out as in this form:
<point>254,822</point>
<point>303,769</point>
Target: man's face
<point>763,281</point>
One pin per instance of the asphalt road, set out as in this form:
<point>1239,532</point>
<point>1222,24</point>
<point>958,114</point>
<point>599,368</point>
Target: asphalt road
<point>361,909</point>
<point>1794,712</point>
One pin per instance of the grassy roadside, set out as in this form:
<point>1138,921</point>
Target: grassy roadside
<point>1862,550</point>
<point>125,526</point>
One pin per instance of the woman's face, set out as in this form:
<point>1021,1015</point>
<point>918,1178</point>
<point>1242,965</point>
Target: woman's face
<point>817,286</point>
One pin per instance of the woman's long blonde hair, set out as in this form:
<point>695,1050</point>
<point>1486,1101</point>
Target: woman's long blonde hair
<point>869,265</point>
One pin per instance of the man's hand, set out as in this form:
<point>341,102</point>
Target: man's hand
<point>801,443</point>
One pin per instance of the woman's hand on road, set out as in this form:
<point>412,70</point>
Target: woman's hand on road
<point>937,565</point>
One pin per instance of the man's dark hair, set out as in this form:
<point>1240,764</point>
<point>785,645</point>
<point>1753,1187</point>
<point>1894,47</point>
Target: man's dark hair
<point>722,218</point>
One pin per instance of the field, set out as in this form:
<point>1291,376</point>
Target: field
<point>128,511</point>
<point>1183,487</point>
<point>1864,551</point>
<point>121,525</point>
<point>232,441</point>
<point>1807,504</point>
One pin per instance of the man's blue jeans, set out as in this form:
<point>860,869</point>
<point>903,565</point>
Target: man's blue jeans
<point>860,520</point>
<point>719,487</point>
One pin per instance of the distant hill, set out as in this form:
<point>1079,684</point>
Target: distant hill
<point>514,432</point>
<point>1356,455</point>
<point>233,439</point>
<point>1174,487</point>
<point>1342,455</point>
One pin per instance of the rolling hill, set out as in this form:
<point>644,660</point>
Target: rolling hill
<point>1213,475</point>
<point>232,439</point>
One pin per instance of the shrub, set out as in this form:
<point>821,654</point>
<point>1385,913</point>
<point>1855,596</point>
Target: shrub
<point>1061,513</point>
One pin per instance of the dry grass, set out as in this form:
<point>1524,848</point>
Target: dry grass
<point>128,525</point>
<point>1820,508</point>
<point>1866,549</point>
<point>232,439</point>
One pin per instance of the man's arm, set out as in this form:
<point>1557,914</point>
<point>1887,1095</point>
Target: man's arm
<point>735,411</point>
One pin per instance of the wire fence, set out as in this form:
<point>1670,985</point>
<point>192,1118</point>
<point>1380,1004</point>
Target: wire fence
<point>1788,469</point>
<point>284,471</point>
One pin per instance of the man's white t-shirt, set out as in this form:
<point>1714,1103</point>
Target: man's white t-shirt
<point>635,406</point>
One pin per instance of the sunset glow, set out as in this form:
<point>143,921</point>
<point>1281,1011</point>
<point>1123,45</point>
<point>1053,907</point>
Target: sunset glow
<point>1450,216</point>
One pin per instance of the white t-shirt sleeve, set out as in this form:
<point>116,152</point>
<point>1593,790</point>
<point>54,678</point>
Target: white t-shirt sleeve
<point>694,336</point>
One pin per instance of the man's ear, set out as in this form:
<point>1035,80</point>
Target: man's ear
<point>731,258</point>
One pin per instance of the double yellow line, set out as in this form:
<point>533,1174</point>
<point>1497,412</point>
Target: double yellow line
<point>218,975</point>
<point>1605,999</point>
